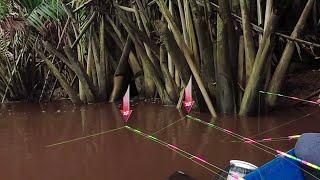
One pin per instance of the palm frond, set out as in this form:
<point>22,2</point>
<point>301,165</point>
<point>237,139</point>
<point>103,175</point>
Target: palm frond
<point>5,54</point>
<point>29,5</point>
<point>46,11</point>
<point>4,10</point>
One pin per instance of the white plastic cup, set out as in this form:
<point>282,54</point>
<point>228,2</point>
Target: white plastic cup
<point>240,169</point>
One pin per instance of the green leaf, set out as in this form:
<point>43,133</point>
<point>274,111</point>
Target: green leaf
<point>44,12</point>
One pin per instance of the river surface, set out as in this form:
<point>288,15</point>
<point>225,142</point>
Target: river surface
<point>29,134</point>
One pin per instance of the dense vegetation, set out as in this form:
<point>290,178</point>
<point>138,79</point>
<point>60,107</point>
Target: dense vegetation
<point>93,49</point>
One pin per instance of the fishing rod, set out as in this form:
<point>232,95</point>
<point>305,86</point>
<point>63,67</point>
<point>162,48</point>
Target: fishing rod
<point>255,143</point>
<point>291,97</point>
<point>270,139</point>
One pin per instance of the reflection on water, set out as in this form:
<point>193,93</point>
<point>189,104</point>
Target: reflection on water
<point>26,130</point>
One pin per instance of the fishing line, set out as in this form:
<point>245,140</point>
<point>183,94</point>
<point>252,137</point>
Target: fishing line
<point>183,153</point>
<point>287,123</point>
<point>286,138</point>
<point>84,137</point>
<point>229,133</point>
<point>252,142</point>
<point>177,121</point>
<point>242,138</point>
<point>264,140</point>
<point>289,97</point>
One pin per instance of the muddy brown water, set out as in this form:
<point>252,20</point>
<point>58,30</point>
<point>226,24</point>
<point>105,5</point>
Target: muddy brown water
<point>26,130</point>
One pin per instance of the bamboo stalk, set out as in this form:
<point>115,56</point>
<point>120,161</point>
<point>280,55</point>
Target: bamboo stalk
<point>225,88</point>
<point>149,84</point>
<point>261,30</point>
<point>98,66</point>
<point>150,70</point>
<point>268,12</point>
<point>82,6</point>
<point>181,96</point>
<point>279,74</point>
<point>115,28</point>
<point>241,66</point>
<point>183,22</point>
<point>225,63</point>
<point>89,59</point>
<point>248,38</point>
<point>58,54</point>
<point>153,58</point>
<point>59,43</point>
<point>82,95</point>
<point>121,71</point>
<point>102,61</point>
<point>141,35</point>
<point>193,45</point>
<point>150,73</point>
<point>143,16</point>
<point>87,84</point>
<point>91,70</point>
<point>133,61</point>
<point>259,16</point>
<point>227,19</point>
<point>205,47</point>
<point>170,63</point>
<point>187,53</point>
<point>85,28</point>
<point>12,73</point>
<point>177,78</point>
<point>63,82</point>
<point>249,101</point>
<point>178,59</point>
<point>170,85</point>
